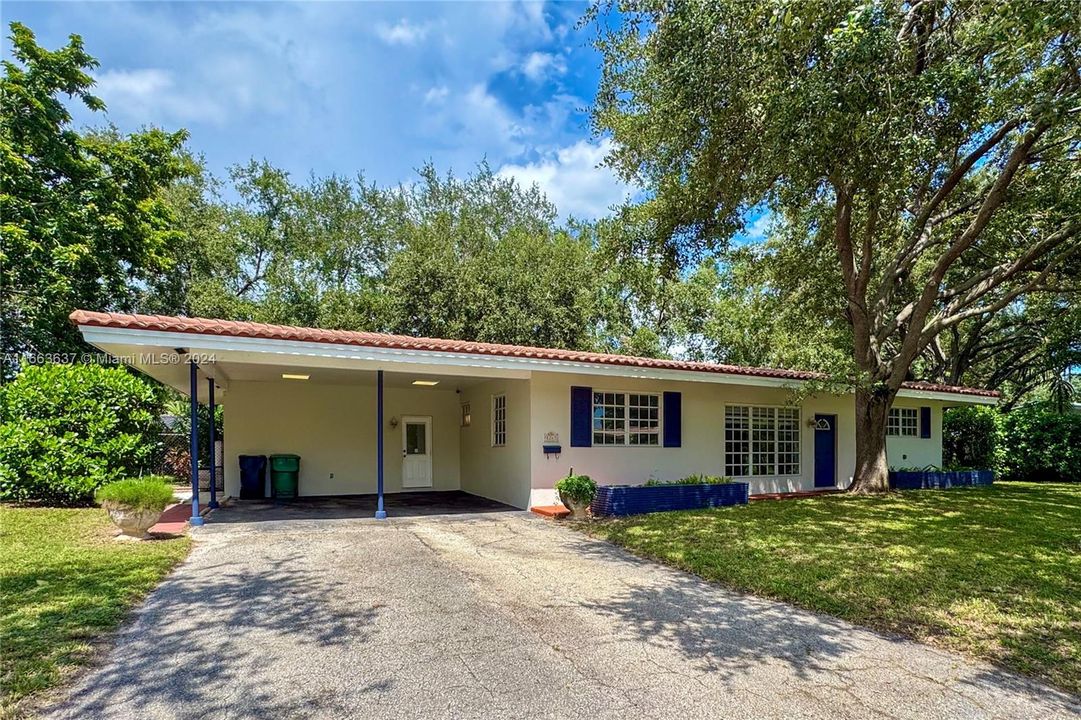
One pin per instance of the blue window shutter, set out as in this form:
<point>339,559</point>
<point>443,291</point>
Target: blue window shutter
<point>673,419</point>
<point>581,417</point>
<point>925,422</point>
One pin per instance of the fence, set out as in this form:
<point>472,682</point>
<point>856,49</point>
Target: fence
<point>172,456</point>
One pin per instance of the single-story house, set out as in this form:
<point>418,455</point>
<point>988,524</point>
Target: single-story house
<point>506,422</point>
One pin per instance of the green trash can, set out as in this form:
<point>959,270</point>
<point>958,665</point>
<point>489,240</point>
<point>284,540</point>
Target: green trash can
<point>284,476</point>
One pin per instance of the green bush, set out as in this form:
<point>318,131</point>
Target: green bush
<point>153,492</point>
<point>67,430</point>
<point>1038,444</point>
<point>692,480</point>
<point>969,437</point>
<point>578,488</point>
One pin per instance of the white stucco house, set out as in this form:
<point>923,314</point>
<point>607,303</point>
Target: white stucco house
<point>506,422</point>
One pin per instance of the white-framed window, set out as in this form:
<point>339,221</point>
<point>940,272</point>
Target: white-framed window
<point>467,415</point>
<point>903,421</point>
<point>761,441</point>
<point>499,420</point>
<point>621,418</point>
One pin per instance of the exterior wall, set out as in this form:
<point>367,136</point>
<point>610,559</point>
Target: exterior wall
<point>702,449</point>
<point>497,473</point>
<point>907,452</point>
<point>332,428</point>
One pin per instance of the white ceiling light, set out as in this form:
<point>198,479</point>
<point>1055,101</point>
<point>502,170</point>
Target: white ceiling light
<point>291,376</point>
<point>427,383</point>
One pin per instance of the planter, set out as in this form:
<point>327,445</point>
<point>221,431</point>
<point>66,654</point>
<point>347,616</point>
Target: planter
<point>939,479</point>
<point>578,509</point>
<point>133,522</point>
<point>637,500</point>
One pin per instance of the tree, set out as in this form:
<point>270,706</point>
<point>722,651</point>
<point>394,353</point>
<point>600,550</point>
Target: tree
<point>928,148</point>
<point>82,216</point>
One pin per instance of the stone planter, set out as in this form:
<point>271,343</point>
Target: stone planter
<point>133,522</point>
<point>579,511</point>
<point>637,500</point>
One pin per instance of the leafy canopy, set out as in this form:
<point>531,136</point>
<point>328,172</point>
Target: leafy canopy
<point>82,215</point>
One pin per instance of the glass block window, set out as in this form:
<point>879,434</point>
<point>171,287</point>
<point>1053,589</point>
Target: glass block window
<point>761,441</point>
<point>609,418</point>
<point>499,420</point>
<point>643,419</point>
<point>903,422</point>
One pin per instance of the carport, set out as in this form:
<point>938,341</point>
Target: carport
<point>366,420</point>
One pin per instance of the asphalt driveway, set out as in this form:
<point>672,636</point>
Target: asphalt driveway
<point>500,615</point>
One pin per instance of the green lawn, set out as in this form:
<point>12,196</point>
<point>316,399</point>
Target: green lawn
<point>994,572</point>
<point>63,583</point>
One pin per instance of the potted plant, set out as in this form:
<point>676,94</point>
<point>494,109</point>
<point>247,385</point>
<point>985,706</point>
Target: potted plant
<point>135,504</point>
<point>576,492</point>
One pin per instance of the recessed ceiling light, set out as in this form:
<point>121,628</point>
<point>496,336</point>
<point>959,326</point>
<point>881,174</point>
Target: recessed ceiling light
<point>428,383</point>
<point>290,376</point>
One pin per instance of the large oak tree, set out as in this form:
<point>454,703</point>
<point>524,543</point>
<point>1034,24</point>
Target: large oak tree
<point>929,149</point>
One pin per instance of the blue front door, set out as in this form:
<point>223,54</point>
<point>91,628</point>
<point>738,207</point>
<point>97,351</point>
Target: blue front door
<point>825,450</point>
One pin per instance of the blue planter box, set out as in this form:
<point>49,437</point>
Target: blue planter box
<point>938,479</point>
<point>638,500</point>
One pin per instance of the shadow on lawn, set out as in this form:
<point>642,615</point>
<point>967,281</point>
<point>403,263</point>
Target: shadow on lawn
<point>167,662</point>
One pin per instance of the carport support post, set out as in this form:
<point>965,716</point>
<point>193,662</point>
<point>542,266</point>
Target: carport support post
<point>196,518</point>
<point>213,448</point>
<point>380,513</point>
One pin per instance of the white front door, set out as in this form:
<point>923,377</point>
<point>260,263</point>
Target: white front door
<point>416,452</point>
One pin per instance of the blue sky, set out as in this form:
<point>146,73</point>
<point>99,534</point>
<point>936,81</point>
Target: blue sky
<point>345,87</point>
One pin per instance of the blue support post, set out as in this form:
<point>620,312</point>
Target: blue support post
<point>380,513</point>
<point>196,518</point>
<point>213,504</point>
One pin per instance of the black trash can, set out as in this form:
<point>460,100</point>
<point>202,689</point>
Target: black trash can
<point>252,477</point>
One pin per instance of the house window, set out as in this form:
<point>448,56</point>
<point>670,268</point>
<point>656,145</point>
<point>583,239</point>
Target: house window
<point>626,418</point>
<point>499,420</point>
<point>467,415</point>
<point>761,441</point>
<point>643,419</point>
<point>609,418</point>
<point>902,421</point>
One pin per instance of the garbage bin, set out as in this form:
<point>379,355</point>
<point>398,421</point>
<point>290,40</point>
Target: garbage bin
<point>252,477</point>
<point>284,476</point>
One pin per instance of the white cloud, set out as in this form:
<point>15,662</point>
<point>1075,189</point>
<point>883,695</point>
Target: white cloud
<point>402,32</point>
<point>572,177</point>
<point>436,95</point>
<point>757,230</point>
<point>537,65</point>
<point>148,92</point>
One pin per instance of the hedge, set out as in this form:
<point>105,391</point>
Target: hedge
<point>66,430</point>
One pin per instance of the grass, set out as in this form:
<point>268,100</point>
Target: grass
<point>993,572</point>
<point>64,583</point>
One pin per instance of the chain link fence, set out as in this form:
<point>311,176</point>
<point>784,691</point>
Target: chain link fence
<point>172,455</point>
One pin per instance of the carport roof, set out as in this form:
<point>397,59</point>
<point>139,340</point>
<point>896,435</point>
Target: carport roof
<point>231,328</point>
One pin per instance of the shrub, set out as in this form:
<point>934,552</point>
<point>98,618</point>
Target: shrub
<point>578,488</point>
<point>1036,443</point>
<point>153,492</point>
<point>969,437</point>
<point>692,480</point>
<point>67,430</point>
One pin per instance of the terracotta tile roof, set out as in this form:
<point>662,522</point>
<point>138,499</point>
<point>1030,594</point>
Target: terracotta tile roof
<point>232,328</point>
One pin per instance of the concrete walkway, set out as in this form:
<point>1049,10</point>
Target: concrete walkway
<point>501,615</point>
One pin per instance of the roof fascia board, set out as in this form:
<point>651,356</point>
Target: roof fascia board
<point>269,351</point>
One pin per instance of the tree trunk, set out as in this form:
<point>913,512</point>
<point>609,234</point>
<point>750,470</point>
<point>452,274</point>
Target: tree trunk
<point>872,472</point>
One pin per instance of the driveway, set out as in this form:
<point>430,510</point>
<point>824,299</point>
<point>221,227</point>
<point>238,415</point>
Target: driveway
<point>500,615</point>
